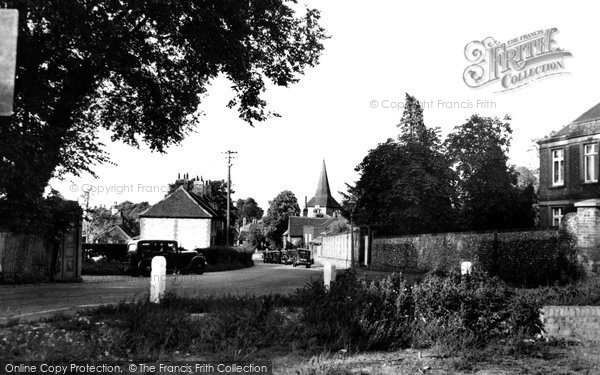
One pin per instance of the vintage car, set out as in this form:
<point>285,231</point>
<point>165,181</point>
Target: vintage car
<point>179,260</point>
<point>303,257</point>
<point>272,256</point>
<point>288,256</point>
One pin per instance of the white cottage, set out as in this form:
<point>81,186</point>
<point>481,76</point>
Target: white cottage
<point>183,216</point>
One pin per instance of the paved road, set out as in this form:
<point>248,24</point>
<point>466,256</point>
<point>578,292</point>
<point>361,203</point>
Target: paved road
<point>28,302</point>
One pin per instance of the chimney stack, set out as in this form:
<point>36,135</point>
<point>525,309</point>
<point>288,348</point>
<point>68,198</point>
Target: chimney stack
<point>305,210</point>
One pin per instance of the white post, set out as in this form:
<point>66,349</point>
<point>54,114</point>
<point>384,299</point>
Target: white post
<point>158,278</point>
<point>465,268</point>
<point>367,251</point>
<point>328,274</point>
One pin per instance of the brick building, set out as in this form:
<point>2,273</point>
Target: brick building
<point>569,167</point>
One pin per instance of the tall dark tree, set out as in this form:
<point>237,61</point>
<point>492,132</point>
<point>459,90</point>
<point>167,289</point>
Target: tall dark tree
<point>488,191</point>
<point>280,209</point>
<point>406,185</point>
<point>248,209</point>
<point>138,69</point>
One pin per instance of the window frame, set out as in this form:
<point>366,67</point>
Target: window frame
<point>559,216</point>
<point>561,161</point>
<point>590,155</point>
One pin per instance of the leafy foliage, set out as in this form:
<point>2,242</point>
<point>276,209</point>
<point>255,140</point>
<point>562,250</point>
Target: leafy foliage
<point>489,197</point>
<point>281,208</point>
<point>138,69</point>
<point>248,209</point>
<point>406,185</point>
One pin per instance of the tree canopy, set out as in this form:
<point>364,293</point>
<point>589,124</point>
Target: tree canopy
<point>248,209</point>
<point>406,185</point>
<point>280,209</point>
<point>489,195</point>
<point>138,69</point>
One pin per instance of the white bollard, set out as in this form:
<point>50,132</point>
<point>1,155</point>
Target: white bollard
<point>465,268</point>
<point>328,274</point>
<point>158,278</point>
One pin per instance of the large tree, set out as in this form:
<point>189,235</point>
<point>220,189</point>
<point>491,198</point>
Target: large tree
<point>248,209</point>
<point>406,185</point>
<point>488,186</point>
<point>280,209</point>
<point>139,69</point>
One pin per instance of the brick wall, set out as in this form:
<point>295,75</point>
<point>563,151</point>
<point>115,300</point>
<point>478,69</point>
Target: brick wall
<point>572,322</point>
<point>574,188</point>
<point>584,226</point>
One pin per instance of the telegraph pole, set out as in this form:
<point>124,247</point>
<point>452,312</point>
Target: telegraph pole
<point>229,155</point>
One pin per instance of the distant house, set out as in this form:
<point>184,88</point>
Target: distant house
<point>304,229</point>
<point>569,167</point>
<point>246,229</point>
<point>116,234</point>
<point>188,217</point>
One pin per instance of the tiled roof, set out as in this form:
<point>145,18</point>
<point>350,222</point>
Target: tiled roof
<point>323,195</point>
<point>119,227</point>
<point>248,227</point>
<point>296,224</point>
<point>586,124</point>
<point>181,204</point>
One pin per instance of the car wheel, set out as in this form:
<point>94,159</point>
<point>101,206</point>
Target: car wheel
<point>199,268</point>
<point>145,268</point>
<point>308,266</point>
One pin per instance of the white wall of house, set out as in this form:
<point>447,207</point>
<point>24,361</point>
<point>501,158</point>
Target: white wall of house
<point>189,233</point>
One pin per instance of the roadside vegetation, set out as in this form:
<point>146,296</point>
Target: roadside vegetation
<point>466,322</point>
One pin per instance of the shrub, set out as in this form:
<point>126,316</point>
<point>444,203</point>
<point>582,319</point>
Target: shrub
<point>357,314</point>
<point>475,305</point>
<point>585,293</point>
<point>454,311</point>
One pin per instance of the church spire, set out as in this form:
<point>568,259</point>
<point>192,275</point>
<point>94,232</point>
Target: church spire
<point>323,186</point>
<point>323,197</point>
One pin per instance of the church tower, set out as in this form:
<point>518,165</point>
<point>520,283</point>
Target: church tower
<point>323,204</point>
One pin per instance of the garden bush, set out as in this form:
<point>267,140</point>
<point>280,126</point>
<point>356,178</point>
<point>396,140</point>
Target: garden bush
<point>389,314</point>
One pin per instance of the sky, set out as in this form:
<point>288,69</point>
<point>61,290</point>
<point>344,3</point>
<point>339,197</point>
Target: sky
<point>345,106</point>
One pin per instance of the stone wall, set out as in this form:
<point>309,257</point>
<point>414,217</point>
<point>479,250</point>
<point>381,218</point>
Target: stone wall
<point>572,322</point>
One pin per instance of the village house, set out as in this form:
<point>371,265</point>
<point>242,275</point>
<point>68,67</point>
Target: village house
<point>117,233</point>
<point>569,168</point>
<point>187,216</point>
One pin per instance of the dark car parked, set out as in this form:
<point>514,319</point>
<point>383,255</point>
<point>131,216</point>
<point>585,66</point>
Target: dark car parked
<point>141,252</point>
<point>272,256</point>
<point>288,256</point>
<point>303,257</point>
